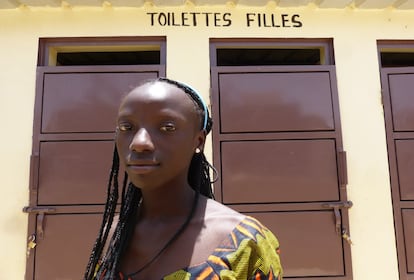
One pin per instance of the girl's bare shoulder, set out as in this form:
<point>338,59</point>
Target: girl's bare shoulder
<point>221,216</point>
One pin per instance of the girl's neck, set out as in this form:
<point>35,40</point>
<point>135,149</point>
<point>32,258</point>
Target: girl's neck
<point>166,205</point>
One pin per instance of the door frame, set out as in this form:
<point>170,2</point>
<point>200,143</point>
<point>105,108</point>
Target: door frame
<point>398,204</point>
<point>48,49</point>
<point>326,64</point>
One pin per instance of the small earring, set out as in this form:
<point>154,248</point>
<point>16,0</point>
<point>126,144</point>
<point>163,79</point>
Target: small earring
<point>197,150</point>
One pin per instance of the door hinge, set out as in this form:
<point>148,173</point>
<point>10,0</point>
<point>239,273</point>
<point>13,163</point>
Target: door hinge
<point>34,169</point>
<point>343,171</point>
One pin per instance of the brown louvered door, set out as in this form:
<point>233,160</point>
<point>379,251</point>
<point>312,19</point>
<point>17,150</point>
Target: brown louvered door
<point>398,96</point>
<point>278,150</point>
<point>75,114</point>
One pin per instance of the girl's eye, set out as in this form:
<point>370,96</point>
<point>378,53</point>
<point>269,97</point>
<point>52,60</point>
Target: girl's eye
<point>168,127</point>
<point>124,127</point>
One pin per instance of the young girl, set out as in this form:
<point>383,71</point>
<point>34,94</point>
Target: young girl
<point>168,226</point>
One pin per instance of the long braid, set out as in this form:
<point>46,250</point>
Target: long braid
<point>199,175</point>
<point>109,212</point>
<point>198,178</point>
<point>123,231</point>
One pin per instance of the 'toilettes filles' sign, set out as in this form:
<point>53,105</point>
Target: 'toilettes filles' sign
<point>212,19</point>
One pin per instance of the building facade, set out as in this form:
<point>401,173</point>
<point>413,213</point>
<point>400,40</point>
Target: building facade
<point>312,103</point>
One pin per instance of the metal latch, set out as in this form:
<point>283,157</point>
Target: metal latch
<point>40,211</point>
<point>336,206</point>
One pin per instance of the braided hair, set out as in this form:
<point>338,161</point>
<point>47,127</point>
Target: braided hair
<point>105,265</point>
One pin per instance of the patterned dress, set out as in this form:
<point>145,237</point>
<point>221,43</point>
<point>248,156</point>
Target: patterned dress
<point>250,251</point>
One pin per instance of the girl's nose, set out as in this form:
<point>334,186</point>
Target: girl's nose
<point>141,141</point>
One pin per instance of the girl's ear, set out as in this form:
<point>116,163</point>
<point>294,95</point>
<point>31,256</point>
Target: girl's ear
<point>200,141</point>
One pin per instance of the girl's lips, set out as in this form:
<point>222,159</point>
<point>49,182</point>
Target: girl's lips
<point>142,168</point>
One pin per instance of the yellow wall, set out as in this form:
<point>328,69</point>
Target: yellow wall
<point>354,32</point>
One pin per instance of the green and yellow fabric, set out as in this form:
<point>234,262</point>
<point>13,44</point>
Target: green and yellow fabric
<point>250,251</point>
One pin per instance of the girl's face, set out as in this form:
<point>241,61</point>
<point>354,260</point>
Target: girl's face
<point>158,131</point>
